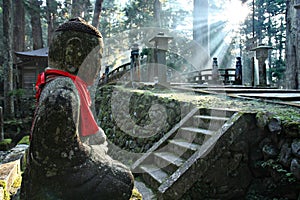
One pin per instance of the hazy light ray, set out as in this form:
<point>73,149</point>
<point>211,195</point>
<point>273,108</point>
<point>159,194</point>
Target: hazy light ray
<point>221,41</point>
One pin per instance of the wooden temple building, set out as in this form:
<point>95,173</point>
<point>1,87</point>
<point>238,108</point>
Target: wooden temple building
<point>29,64</point>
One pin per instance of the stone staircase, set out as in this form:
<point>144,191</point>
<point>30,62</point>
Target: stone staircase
<point>174,163</point>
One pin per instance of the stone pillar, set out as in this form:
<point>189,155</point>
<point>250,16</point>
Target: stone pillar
<point>262,52</point>
<point>238,72</point>
<point>135,63</point>
<point>161,47</point>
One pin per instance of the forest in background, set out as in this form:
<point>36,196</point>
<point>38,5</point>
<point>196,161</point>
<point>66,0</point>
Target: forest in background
<point>29,25</point>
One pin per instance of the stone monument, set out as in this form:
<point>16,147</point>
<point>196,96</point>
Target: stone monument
<point>160,49</point>
<point>262,52</point>
<point>67,158</point>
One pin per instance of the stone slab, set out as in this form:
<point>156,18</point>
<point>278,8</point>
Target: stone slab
<point>1,193</point>
<point>9,172</point>
<point>146,192</point>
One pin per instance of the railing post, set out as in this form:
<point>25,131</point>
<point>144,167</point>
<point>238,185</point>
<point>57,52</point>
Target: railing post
<point>238,72</point>
<point>135,63</point>
<point>106,74</point>
<point>215,74</point>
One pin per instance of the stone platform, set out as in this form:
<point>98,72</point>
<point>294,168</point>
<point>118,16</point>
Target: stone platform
<point>283,96</point>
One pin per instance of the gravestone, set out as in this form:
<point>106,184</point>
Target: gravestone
<point>67,157</point>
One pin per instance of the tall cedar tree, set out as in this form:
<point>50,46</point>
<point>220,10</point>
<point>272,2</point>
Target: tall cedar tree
<point>8,65</point>
<point>51,17</point>
<point>19,26</point>
<point>35,20</point>
<point>97,12</point>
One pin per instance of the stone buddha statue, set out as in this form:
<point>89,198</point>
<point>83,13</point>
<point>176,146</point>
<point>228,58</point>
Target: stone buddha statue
<point>67,156</point>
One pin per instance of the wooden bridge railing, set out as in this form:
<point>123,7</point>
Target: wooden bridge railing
<point>114,74</point>
<point>226,75</point>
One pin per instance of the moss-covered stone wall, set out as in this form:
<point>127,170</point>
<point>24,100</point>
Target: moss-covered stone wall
<point>134,120</point>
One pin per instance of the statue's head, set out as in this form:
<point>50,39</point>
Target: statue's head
<point>77,48</point>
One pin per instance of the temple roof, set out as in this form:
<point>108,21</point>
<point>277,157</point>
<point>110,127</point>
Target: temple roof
<point>39,53</point>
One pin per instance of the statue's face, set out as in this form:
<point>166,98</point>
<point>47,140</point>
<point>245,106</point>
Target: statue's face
<point>91,65</point>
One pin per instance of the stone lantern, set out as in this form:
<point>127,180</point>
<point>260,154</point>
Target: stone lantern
<point>161,47</point>
<point>262,53</point>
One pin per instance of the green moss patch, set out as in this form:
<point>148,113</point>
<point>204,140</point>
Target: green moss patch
<point>136,195</point>
<point>24,140</point>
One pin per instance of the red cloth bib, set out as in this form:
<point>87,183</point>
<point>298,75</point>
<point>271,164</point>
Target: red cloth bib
<point>88,125</point>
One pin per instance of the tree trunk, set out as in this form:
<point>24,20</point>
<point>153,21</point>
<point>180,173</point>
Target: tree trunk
<point>51,13</point>
<point>292,45</point>
<point>77,8</point>
<point>157,12</point>
<point>97,12</point>
<point>7,64</point>
<point>19,26</point>
<point>35,21</point>
<point>200,23</point>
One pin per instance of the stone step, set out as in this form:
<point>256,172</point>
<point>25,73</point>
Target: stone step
<point>9,173</point>
<point>193,135</point>
<point>146,192</point>
<point>209,117</point>
<point>182,148</point>
<point>185,144</point>
<point>168,161</point>
<point>219,112</point>
<point>198,130</point>
<point>210,122</point>
<point>153,175</point>
<point>170,157</point>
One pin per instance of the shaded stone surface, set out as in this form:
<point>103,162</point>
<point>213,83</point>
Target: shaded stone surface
<point>285,155</point>
<point>274,125</point>
<point>296,148</point>
<point>269,151</point>
<point>295,168</point>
